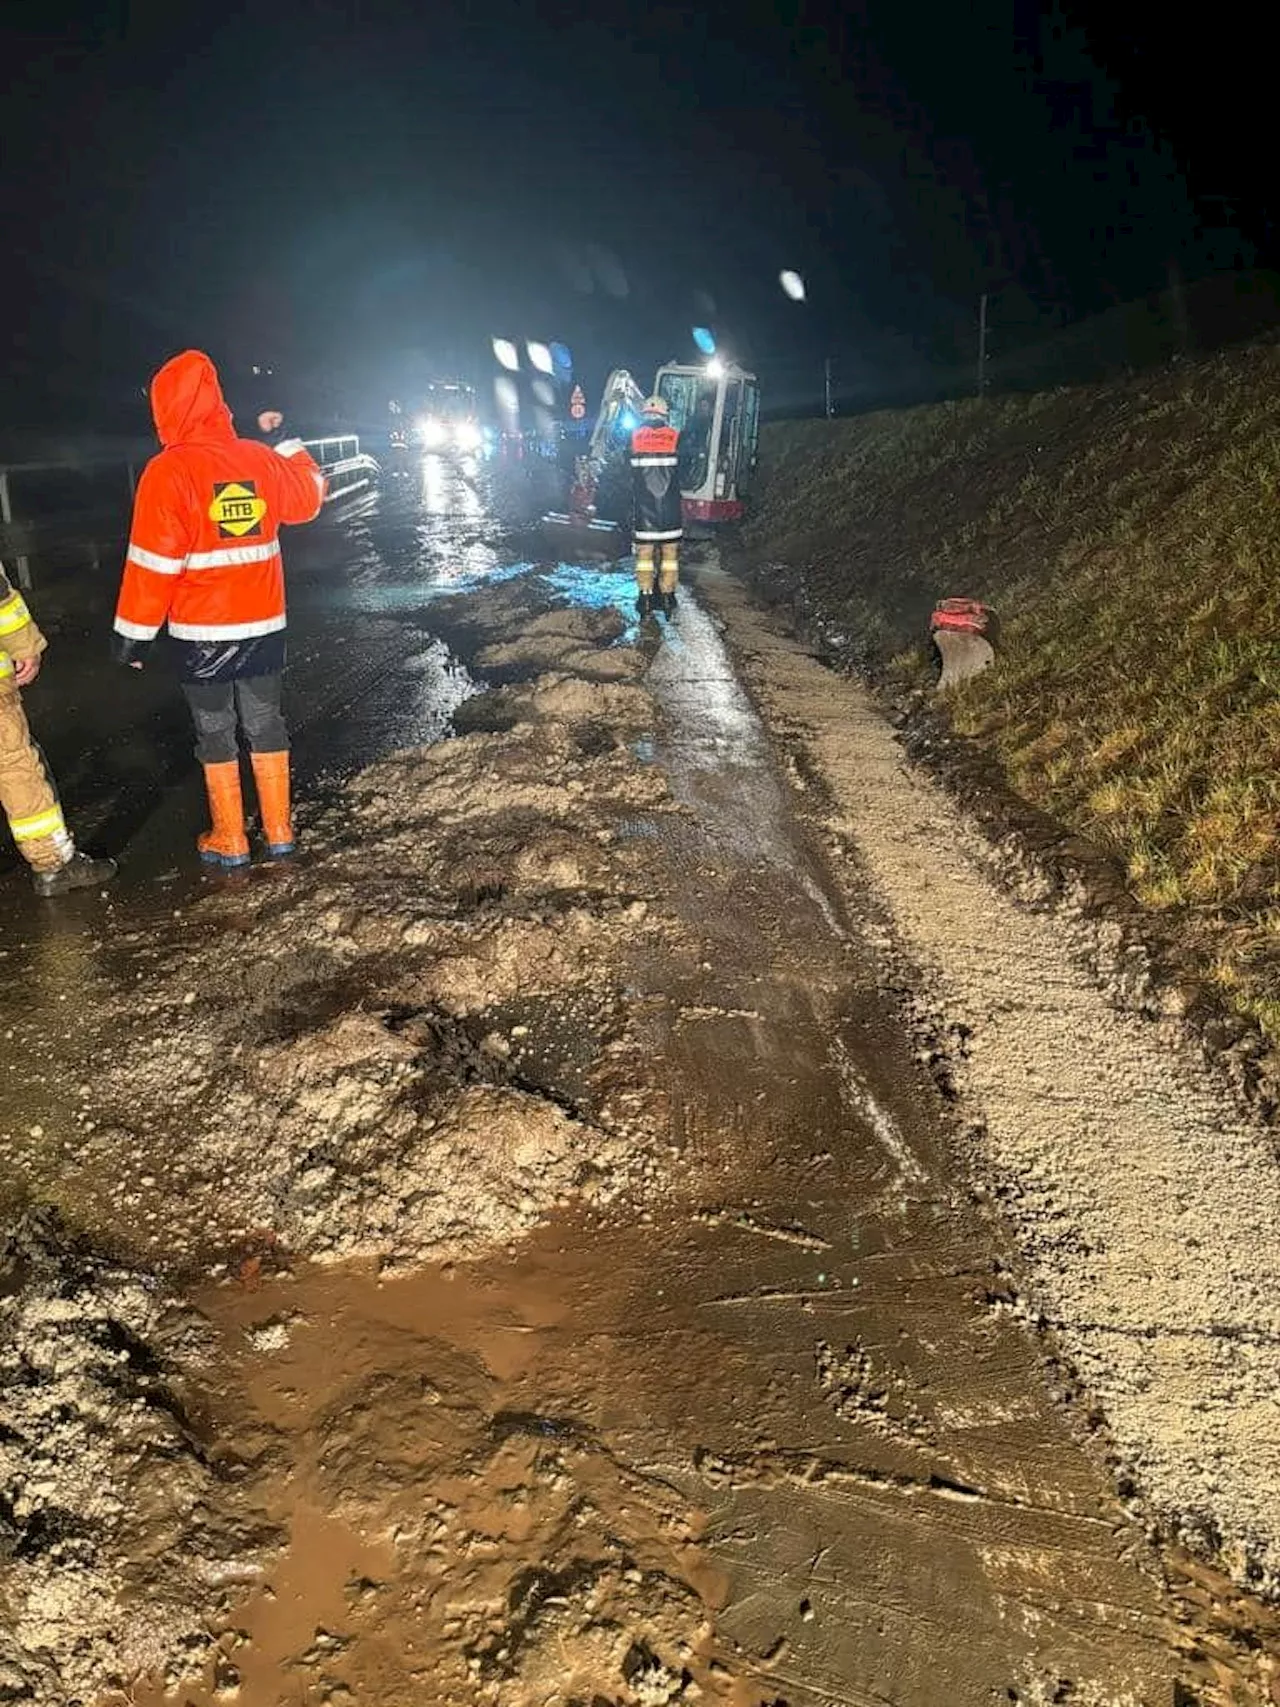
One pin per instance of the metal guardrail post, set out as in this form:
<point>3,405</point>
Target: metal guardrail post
<point>6,516</point>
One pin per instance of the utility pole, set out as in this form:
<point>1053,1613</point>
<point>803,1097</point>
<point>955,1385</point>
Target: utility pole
<point>826,386</point>
<point>982,344</point>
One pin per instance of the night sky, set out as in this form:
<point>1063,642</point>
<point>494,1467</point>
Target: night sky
<point>362,194</point>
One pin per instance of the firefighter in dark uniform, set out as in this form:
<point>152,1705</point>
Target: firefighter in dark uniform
<point>655,486</point>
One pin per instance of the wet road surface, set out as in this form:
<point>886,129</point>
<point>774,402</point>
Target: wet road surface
<point>790,1423</point>
<point>366,677</point>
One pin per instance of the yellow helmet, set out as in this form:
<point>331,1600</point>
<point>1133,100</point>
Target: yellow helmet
<point>657,406</point>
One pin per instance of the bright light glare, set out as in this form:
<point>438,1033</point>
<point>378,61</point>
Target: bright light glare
<point>715,368</point>
<point>562,357</point>
<point>433,433</point>
<point>544,392</point>
<point>540,357</point>
<point>506,397</point>
<point>792,284</point>
<point>705,339</point>
<point>506,354</point>
<point>467,435</point>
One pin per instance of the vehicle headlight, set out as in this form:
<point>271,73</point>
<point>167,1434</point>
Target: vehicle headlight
<point>433,433</point>
<point>467,436</point>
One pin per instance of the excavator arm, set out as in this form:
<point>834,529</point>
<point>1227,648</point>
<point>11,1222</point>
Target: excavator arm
<point>621,402</point>
<point>600,500</point>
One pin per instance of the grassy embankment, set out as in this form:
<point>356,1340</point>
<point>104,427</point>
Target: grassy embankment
<point>1129,536</point>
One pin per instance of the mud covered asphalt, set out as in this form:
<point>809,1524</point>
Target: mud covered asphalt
<point>524,1252</point>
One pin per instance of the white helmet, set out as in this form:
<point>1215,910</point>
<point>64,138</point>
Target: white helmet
<point>657,406</point>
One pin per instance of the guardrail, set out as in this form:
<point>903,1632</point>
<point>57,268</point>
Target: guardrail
<point>338,447</point>
<point>350,474</point>
<point>74,510</point>
<point>55,508</point>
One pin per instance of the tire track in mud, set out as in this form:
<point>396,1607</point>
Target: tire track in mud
<point>1138,1193</point>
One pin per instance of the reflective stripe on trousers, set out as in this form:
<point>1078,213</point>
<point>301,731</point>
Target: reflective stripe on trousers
<point>657,561</point>
<point>28,796</point>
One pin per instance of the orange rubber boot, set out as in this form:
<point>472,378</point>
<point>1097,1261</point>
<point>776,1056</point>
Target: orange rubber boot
<point>271,773</point>
<point>225,843</point>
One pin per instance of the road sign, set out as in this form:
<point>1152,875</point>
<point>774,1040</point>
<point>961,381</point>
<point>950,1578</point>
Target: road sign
<point>577,404</point>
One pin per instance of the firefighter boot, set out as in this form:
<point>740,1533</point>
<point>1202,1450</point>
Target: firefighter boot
<point>79,872</point>
<point>225,843</point>
<point>271,774</point>
<point>645,572</point>
<point>667,578</point>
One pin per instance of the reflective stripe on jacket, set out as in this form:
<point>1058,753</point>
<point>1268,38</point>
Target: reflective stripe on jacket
<point>655,483</point>
<point>204,552</point>
<point>19,636</point>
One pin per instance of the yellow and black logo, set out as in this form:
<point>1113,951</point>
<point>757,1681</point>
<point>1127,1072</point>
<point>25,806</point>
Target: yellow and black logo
<point>237,508</point>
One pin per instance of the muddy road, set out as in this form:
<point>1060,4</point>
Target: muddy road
<point>524,1252</point>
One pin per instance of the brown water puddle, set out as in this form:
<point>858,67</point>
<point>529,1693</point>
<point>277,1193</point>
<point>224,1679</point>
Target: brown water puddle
<point>459,1527</point>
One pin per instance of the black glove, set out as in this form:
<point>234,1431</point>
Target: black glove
<point>127,651</point>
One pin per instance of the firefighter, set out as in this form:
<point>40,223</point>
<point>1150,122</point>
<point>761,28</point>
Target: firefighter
<point>204,556</point>
<point>26,789</point>
<point>655,487</point>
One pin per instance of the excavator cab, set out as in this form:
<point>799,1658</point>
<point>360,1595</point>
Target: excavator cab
<point>716,406</point>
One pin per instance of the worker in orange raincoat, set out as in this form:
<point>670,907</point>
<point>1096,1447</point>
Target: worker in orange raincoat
<point>204,557</point>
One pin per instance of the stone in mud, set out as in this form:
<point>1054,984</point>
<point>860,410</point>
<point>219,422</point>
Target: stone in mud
<point>652,1682</point>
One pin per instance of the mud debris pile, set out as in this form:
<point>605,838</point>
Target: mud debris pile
<point>410,1045</point>
<point>372,1054</point>
<point>109,1500</point>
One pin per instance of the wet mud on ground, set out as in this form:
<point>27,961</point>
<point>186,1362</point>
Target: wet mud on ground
<point>757,1437</point>
<point>535,1272</point>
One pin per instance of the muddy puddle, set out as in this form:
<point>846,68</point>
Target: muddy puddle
<point>461,1526</point>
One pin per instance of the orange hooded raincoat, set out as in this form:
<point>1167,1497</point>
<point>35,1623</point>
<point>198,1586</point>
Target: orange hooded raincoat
<point>204,548</point>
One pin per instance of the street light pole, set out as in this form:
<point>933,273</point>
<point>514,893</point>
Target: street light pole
<point>982,344</point>
<point>826,386</point>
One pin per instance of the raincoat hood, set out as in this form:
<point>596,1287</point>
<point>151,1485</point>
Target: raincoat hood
<point>186,401</point>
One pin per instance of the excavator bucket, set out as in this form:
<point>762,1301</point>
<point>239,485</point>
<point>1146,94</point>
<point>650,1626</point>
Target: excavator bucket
<point>964,634</point>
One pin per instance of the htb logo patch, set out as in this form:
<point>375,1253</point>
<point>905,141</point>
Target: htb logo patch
<point>237,508</point>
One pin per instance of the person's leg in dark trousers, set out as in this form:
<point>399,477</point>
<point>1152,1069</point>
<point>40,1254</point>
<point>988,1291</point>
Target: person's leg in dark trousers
<point>258,702</point>
<point>213,711</point>
<point>258,699</point>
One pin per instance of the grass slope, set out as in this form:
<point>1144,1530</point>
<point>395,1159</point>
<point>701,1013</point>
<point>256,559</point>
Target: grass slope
<point>1129,536</point>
